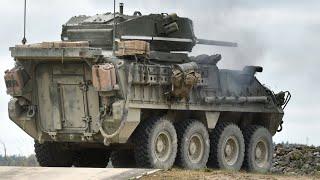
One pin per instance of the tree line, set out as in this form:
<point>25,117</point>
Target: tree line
<point>15,160</point>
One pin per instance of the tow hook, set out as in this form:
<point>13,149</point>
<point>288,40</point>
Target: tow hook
<point>283,98</point>
<point>31,111</point>
<point>280,127</point>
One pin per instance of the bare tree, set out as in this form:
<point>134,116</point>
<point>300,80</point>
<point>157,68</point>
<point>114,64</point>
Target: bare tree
<point>4,149</point>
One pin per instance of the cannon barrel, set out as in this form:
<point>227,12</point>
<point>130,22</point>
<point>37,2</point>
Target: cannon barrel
<point>216,43</point>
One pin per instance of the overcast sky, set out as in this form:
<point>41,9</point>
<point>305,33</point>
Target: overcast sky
<point>282,36</point>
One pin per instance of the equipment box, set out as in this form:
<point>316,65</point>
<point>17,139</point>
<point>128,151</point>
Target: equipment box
<point>131,48</point>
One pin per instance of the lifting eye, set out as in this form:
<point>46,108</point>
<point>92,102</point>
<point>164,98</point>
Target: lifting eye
<point>137,13</point>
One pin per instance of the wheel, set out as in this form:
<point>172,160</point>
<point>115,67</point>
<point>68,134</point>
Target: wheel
<point>227,147</point>
<point>155,144</point>
<point>123,159</point>
<point>259,150</point>
<point>94,158</point>
<point>50,154</point>
<point>193,144</point>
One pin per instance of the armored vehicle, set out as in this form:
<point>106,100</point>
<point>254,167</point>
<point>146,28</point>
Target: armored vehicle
<point>122,88</point>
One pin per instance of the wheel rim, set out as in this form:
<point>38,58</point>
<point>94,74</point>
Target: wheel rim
<point>231,150</point>
<point>261,153</point>
<point>196,148</point>
<point>163,144</point>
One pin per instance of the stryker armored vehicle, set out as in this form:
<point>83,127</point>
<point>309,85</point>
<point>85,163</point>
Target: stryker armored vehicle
<point>123,89</point>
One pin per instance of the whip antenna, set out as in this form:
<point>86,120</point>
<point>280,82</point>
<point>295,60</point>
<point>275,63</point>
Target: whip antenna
<point>24,40</point>
<point>114,28</point>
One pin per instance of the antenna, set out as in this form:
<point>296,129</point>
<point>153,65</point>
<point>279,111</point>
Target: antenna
<point>24,40</point>
<point>114,28</point>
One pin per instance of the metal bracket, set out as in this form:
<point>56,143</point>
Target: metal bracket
<point>84,86</point>
<point>87,119</point>
<point>87,136</point>
<point>53,135</point>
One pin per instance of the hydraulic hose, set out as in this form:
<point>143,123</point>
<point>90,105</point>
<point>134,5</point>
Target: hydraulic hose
<point>107,136</point>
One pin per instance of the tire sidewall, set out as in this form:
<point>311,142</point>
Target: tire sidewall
<point>163,125</point>
<point>256,136</point>
<point>195,128</point>
<point>231,130</point>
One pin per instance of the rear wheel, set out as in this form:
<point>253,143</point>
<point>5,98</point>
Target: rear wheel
<point>193,144</point>
<point>259,151</point>
<point>227,147</point>
<point>123,159</point>
<point>95,158</point>
<point>155,144</point>
<point>51,154</point>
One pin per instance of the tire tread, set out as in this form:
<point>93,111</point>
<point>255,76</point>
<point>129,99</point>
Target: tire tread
<point>182,128</point>
<point>142,142</point>
<point>248,132</point>
<point>50,154</point>
<point>215,135</point>
<point>214,139</point>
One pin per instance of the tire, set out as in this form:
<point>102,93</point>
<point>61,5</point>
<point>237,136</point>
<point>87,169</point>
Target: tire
<point>193,144</point>
<point>92,158</point>
<point>227,147</point>
<point>51,154</point>
<point>123,159</point>
<point>155,144</point>
<point>259,149</point>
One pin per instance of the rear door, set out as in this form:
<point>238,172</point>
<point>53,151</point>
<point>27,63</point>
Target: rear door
<point>64,105</point>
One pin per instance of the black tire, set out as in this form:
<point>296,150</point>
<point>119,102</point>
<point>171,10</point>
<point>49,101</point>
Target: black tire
<point>51,154</point>
<point>192,133</point>
<point>227,147</point>
<point>258,160</point>
<point>92,158</point>
<point>123,159</point>
<point>155,144</point>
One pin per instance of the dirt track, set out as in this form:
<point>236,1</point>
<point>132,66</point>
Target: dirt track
<point>35,173</point>
<point>41,173</point>
<point>219,175</point>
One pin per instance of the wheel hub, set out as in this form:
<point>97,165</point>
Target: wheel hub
<point>196,148</point>
<point>192,148</point>
<point>228,150</point>
<point>163,145</point>
<point>231,150</point>
<point>160,145</point>
<point>261,153</point>
<point>258,153</point>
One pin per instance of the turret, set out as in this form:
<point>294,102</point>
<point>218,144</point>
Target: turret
<point>164,32</point>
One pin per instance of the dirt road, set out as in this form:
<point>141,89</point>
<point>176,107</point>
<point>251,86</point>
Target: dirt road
<point>41,173</point>
<point>209,174</point>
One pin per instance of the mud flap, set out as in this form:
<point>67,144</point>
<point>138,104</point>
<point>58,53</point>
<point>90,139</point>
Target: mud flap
<point>132,122</point>
<point>212,119</point>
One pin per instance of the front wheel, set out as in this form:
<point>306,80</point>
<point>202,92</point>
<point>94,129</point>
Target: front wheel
<point>155,144</point>
<point>259,150</point>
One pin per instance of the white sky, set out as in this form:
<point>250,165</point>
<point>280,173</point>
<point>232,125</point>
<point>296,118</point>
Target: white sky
<point>282,36</point>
